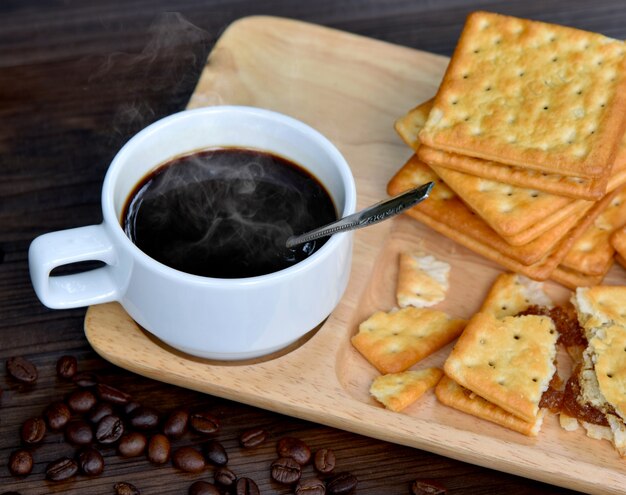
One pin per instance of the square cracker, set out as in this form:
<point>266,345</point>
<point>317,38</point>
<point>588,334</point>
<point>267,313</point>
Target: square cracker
<point>448,215</point>
<point>507,209</point>
<point>396,340</point>
<point>511,294</point>
<point>531,94</point>
<point>508,362</point>
<point>422,280</point>
<point>452,394</point>
<point>409,126</point>
<point>396,391</point>
<point>561,185</point>
<point>592,253</point>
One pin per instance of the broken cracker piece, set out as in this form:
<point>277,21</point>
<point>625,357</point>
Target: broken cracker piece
<point>422,280</point>
<point>395,341</point>
<point>512,293</point>
<point>396,391</point>
<point>509,361</point>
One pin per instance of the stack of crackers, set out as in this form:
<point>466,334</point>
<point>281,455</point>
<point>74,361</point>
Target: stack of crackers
<point>525,138</point>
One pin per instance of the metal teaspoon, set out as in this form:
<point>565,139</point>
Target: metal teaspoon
<point>372,214</point>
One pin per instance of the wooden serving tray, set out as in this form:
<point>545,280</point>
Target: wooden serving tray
<point>352,89</point>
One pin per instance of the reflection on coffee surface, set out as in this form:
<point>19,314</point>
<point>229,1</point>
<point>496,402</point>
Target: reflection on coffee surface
<point>227,213</point>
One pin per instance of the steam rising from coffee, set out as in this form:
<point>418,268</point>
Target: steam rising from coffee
<point>160,77</point>
<point>227,213</point>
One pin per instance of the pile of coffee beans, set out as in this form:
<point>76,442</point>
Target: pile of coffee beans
<point>97,416</point>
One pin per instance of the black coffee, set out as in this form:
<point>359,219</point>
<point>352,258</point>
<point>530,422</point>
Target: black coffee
<point>227,213</point>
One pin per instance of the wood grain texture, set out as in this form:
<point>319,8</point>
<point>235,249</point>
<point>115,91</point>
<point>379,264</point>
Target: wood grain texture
<point>77,79</point>
<point>363,85</point>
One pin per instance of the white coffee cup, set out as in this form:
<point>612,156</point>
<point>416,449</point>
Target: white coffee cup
<point>208,317</point>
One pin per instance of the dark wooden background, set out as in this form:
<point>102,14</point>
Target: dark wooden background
<point>77,79</point>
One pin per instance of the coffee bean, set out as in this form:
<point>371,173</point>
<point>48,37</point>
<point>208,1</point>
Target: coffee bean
<point>33,430</point>
<point>81,401</point>
<point>78,432</point>
<point>204,422</point>
<point>112,394</point>
<point>312,486</point>
<point>131,406</point>
<point>427,487</point>
<point>176,423</point>
<point>67,367</point>
<point>20,462</point>
<point>85,379</point>
<point>203,488</point>
<point>99,411</point>
<point>246,486</point>
<point>124,488</point>
<point>341,484</point>
<point>57,415</point>
<point>294,448</point>
<point>215,453</point>
<point>225,478</point>
<point>159,449</point>
<point>132,444</point>
<point>252,437</point>
<point>109,429</point>
<point>144,418</point>
<point>188,459</point>
<point>61,469</point>
<point>90,461</point>
<point>286,471</point>
<point>325,461</point>
<point>22,369</point>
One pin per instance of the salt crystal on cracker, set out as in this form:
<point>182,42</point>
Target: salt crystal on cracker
<point>422,280</point>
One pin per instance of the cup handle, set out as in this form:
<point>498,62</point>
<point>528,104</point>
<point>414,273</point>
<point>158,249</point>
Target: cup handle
<point>49,251</point>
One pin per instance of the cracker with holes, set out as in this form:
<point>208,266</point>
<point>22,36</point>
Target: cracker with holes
<point>408,127</point>
<point>600,381</point>
<point>396,391</point>
<point>533,95</point>
<point>511,294</point>
<point>422,280</point>
<point>453,395</point>
<point>508,362</point>
<point>592,254</point>
<point>507,209</point>
<point>394,341</point>
<point>448,215</point>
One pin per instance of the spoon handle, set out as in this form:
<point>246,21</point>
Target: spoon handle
<point>368,216</point>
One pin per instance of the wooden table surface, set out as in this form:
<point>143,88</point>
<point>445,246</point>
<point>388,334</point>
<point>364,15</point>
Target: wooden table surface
<point>77,79</point>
